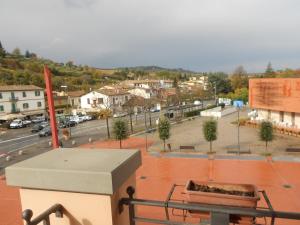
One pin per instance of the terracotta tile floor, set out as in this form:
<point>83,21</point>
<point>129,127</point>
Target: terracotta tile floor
<point>160,173</point>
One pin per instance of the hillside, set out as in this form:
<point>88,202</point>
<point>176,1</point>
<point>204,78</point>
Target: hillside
<point>16,68</point>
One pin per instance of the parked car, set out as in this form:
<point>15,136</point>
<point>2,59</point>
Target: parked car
<point>46,131</point>
<point>36,128</point>
<point>39,119</point>
<point>16,124</point>
<point>44,124</point>
<point>77,119</point>
<point>120,114</point>
<point>154,110</point>
<point>68,123</point>
<point>26,123</point>
<point>87,118</point>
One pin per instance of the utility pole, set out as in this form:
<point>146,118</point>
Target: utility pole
<point>48,83</point>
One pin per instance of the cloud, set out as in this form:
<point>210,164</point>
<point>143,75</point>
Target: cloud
<point>202,35</point>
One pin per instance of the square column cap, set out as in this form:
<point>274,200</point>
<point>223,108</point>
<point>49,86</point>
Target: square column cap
<point>98,171</point>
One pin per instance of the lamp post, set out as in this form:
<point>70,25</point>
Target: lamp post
<point>66,90</point>
<point>238,105</point>
<point>215,83</point>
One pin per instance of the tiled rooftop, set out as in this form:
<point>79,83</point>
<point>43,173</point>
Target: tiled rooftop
<point>158,173</point>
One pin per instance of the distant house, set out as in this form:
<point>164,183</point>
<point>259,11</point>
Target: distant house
<point>75,98</point>
<point>144,92</point>
<point>105,98</point>
<point>60,102</point>
<point>196,81</point>
<point>148,83</point>
<point>27,100</point>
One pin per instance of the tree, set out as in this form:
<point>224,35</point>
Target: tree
<point>120,130</point>
<point>69,63</point>
<point>221,81</point>
<point>27,54</point>
<point>239,79</point>
<point>135,101</point>
<point>210,132</point>
<point>16,52</point>
<point>164,130</point>
<point>266,132</point>
<point>106,114</point>
<point>2,51</point>
<point>269,71</point>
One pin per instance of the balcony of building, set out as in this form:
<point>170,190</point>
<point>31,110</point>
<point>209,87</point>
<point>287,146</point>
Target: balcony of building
<point>13,99</point>
<point>159,198</point>
<point>15,110</point>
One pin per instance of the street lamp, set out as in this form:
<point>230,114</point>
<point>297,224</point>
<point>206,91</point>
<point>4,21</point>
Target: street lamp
<point>238,104</point>
<point>215,87</point>
<point>66,91</point>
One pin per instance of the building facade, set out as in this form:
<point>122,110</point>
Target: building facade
<point>111,99</point>
<point>28,100</point>
<point>148,83</point>
<point>276,100</point>
<point>143,92</point>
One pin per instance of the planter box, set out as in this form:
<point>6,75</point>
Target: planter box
<point>218,198</point>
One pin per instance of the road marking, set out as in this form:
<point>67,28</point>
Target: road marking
<point>19,138</point>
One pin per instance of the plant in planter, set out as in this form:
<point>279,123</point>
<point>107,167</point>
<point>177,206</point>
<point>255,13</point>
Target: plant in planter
<point>228,194</point>
<point>66,134</point>
<point>210,132</point>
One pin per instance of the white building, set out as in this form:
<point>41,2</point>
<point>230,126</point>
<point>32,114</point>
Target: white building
<point>28,100</point>
<point>112,99</point>
<point>148,83</point>
<point>196,81</point>
<point>146,93</point>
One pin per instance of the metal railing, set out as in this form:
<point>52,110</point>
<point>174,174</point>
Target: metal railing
<point>13,99</point>
<point>16,110</point>
<point>43,217</point>
<point>219,215</point>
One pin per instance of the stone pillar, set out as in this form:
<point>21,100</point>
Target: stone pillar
<point>87,183</point>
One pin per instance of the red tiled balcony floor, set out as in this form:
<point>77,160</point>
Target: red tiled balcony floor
<point>160,173</point>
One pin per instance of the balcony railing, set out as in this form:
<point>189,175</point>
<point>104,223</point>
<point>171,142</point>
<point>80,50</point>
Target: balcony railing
<point>43,217</point>
<point>219,215</point>
<point>13,99</point>
<point>15,110</point>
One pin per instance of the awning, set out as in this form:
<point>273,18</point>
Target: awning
<point>12,116</point>
<point>33,112</point>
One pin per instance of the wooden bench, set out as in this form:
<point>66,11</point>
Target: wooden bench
<point>236,152</point>
<point>292,149</point>
<point>186,147</point>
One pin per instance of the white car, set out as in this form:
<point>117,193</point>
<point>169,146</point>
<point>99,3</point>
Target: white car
<point>87,118</point>
<point>120,114</point>
<point>39,119</point>
<point>16,124</point>
<point>77,119</point>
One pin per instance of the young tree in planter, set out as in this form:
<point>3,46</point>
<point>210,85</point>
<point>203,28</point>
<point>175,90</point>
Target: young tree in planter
<point>164,130</point>
<point>210,132</point>
<point>120,130</point>
<point>266,132</point>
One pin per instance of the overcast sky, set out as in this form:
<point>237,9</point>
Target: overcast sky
<point>201,35</point>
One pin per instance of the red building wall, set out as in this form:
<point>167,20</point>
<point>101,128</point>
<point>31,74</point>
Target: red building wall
<point>277,94</point>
